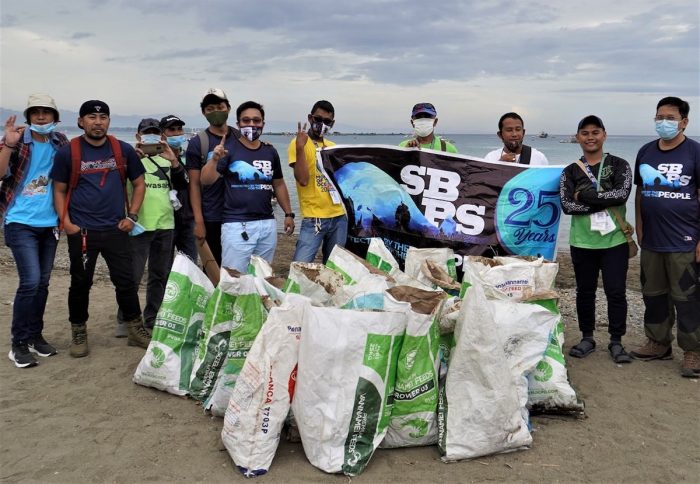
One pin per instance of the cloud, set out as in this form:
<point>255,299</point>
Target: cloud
<point>81,35</point>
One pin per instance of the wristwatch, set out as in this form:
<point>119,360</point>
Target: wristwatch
<point>134,217</point>
<point>290,215</point>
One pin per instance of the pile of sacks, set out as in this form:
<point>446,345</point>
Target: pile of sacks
<point>358,354</point>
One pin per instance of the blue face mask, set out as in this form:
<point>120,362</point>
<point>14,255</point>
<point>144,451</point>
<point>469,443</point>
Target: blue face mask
<point>667,129</point>
<point>137,230</point>
<point>177,141</point>
<point>150,139</point>
<point>43,128</point>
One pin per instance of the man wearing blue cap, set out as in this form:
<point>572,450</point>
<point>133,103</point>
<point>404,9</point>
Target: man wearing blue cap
<point>424,119</point>
<point>90,196</point>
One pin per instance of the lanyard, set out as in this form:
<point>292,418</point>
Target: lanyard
<point>594,181</point>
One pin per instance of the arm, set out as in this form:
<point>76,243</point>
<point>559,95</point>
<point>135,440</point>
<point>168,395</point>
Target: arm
<point>196,204</point>
<point>638,215</point>
<point>569,194</point>
<point>297,156</point>
<point>137,195</point>
<point>179,177</point>
<point>210,172</point>
<point>617,194</point>
<point>59,201</point>
<point>282,195</point>
<point>9,143</point>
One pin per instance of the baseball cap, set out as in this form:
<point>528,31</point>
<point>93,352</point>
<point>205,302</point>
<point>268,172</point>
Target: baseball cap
<point>424,108</point>
<point>170,120</point>
<point>148,123</point>
<point>94,106</point>
<point>591,119</point>
<point>40,101</point>
<point>214,92</point>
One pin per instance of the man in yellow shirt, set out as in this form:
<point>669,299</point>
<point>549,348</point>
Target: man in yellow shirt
<point>325,222</point>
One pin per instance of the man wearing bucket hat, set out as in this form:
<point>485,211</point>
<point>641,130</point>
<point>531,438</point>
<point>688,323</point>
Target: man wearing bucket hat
<point>90,195</point>
<point>424,119</point>
<point>30,219</point>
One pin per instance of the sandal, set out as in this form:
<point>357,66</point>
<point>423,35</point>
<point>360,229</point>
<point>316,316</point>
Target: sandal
<point>583,349</point>
<point>618,353</point>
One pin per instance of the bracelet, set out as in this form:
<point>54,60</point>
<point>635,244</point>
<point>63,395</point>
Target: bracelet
<point>11,147</point>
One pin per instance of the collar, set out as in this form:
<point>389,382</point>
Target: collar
<point>27,137</point>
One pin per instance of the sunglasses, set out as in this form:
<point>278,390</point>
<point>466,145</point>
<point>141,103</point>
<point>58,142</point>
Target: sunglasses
<point>319,119</point>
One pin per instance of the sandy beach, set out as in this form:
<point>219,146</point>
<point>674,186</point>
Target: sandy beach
<point>83,420</point>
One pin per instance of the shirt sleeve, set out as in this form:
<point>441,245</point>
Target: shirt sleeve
<point>193,156</point>
<point>60,171</point>
<point>292,151</point>
<point>567,188</point>
<point>134,167</point>
<point>538,159</point>
<point>493,155</point>
<point>276,165</point>
<point>615,195</point>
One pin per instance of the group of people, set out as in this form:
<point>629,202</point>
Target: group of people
<point>134,204</point>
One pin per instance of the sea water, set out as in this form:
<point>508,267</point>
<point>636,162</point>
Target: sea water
<point>557,149</point>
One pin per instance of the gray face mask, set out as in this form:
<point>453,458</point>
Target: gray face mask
<point>217,118</point>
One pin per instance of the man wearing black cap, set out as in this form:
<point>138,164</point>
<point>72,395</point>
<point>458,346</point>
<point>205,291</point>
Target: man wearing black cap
<point>172,128</point>
<point>152,240</point>
<point>208,201</point>
<point>90,196</point>
<point>594,190</point>
<point>424,119</point>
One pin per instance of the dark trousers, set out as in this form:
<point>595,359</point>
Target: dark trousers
<point>114,246</point>
<point>33,249</point>
<point>214,239</point>
<point>155,248</point>
<point>184,236</point>
<point>613,263</point>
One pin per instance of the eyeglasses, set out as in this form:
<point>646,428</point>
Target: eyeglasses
<point>666,118</point>
<point>319,119</point>
<point>251,120</point>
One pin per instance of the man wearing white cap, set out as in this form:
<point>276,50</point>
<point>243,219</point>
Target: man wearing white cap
<point>26,204</point>
<point>208,201</point>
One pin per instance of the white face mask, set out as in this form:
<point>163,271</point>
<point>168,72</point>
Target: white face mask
<point>423,126</point>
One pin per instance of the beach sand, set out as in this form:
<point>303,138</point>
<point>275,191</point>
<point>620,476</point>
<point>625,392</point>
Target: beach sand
<point>83,420</point>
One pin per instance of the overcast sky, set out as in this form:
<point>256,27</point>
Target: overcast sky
<point>552,62</point>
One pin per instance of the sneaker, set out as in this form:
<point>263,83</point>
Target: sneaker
<point>122,331</point>
<point>21,355</point>
<point>138,335</point>
<point>79,343</point>
<point>690,368</point>
<point>651,350</point>
<point>39,346</point>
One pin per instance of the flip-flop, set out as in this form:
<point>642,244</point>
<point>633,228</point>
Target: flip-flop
<point>618,353</point>
<point>583,349</point>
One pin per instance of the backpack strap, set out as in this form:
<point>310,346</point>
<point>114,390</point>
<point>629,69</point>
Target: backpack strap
<point>525,155</point>
<point>75,158</point>
<point>204,145</point>
<point>443,144</point>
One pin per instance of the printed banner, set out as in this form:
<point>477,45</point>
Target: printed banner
<point>424,198</point>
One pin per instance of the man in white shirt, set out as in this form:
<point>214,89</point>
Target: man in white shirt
<point>511,130</point>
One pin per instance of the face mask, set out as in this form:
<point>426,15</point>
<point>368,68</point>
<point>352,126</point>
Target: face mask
<point>423,127</point>
<point>43,128</point>
<point>251,132</point>
<point>320,128</point>
<point>177,141</point>
<point>217,118</point>
<point>667,129</point>
<point>150,139</point>
<point>137,230</point>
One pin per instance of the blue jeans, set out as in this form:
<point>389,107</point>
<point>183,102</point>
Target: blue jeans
<point>34,249</point>
<point>236,251</point>
<point>331,232</point>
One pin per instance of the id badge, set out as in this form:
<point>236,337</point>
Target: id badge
<point>601,222</point>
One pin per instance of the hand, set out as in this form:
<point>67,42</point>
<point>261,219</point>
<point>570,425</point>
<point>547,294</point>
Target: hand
<point>288,225</point>
<point>70,228</point>
<point>126,225</point>
<point>507,156</point>
<point>199,231</point>
<point>219,150</point>
<point>413,143</point>
<point>12,133</point>
<point>139,151</point>
<point>302,135</point>
<point>169,154</point>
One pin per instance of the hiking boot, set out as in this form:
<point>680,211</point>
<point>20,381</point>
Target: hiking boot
<point>21,355</point>
<point>79,343</point>
<point>39,346</point>
<point>138,335</point>
<point>690,368</point>
<point>122,331</point>
<point>651,350</point>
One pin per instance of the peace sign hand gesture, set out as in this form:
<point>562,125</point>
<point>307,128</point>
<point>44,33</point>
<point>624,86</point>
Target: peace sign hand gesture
<point>302,135</point>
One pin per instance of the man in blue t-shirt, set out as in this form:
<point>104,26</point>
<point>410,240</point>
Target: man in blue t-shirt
<point>667,175</point>
<point>97,217</point>
<point>252,174</point>
<point>208,201</point>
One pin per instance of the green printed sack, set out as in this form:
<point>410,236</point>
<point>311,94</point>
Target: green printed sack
<point>313,280</point>
<point>345,384</point>
<point>167,363</point>
<point>443,257</point>
<point>379,256</point>
<point>352,267</point>
<point>414,414</point>
<point>216,329</point>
